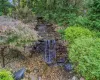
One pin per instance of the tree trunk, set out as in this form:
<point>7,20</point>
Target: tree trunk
<point>2,55</point>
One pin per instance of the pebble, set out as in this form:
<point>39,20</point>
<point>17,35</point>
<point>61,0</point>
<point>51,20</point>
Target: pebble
<point>82,78</point>
<point>74,78</point>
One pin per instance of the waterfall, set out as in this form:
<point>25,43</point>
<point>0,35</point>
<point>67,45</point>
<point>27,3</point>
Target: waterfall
<point>50,51</point>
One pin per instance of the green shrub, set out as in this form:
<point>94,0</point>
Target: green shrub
<point>71,18</point>
<point>94,14</point>
<point>5,75</point>
<point>62,20</point>
<point>74,32</point>
<point>85,56</point>
<point>0,13</point>
<point>62,33</point>
<point>97,33</point>
<point>83,21</point>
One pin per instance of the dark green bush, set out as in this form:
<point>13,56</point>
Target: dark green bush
<point>98,34</point>
<point>83,21</point>
<point>5,75</point>
<point>0,13</point>
<point>85,56</point>
<point>62,18</point>
<point>94,14</point>
<point>74,32</point>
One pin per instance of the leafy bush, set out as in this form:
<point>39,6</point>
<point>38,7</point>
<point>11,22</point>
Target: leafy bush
<point>98,34</point>
<point>74,32</point>
<point>94,14</point>
<point>62,18</point>
<point>5,75</point>
<point>71,19</point>
<point>0,13</point>
<point>83,21</point>
<point>85,56</point>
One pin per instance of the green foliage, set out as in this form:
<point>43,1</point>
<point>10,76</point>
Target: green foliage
<point>71,19</point>
<point>71,33</point>
<point>94,14</point>
<point>10,11</point>
<point>69,13</point>
<point>97,33</point>
<point>62,18</point>
<point>23,13</point>
<point>83,21</point>
<point>18,37</point>
<point>0,13</point>
<point>23,3</point>
<point>4,6</point>
<point>62,33</point>
<point>58,11</point>
<point>84,53</point>
<point>5,75</point>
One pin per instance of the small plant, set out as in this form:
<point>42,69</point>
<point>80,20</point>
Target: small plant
<point>5,75</point>
<point>62,33</point>
<point>74,32</point>
<point>85,56</point>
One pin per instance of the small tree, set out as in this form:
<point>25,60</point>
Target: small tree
<point>16,37</point>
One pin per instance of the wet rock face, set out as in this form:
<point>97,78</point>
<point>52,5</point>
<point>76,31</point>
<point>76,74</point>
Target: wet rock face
<point>38,47</point>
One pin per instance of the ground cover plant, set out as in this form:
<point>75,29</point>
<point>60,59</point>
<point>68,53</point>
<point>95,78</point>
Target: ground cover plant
<point>5,75</point>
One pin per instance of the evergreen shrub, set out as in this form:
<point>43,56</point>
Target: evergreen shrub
<point>84,53</point>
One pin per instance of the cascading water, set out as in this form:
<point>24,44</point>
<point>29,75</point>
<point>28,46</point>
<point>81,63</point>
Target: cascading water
<point>50,51</point>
